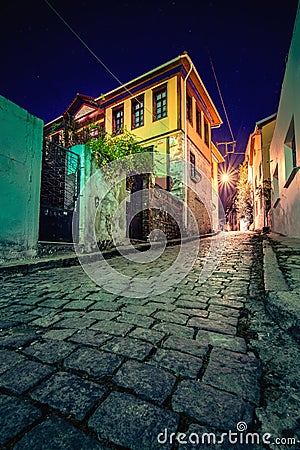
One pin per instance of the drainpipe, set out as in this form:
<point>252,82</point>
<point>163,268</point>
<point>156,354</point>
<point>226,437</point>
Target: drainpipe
<point>185,150</point>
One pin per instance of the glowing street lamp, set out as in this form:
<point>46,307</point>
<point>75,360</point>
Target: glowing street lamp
<point>225,178</point>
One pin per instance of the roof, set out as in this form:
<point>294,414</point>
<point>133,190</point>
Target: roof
<point>181,64</point>
<point>268,119</point>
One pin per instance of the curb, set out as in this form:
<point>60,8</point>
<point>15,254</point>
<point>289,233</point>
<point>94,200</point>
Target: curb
<point>72,260</point>
<point>281,302</point>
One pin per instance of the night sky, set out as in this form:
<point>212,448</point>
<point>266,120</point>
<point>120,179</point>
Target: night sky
<point>44,65</point>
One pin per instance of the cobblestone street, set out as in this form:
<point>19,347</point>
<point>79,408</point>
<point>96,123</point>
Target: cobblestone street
<point>81,368</point>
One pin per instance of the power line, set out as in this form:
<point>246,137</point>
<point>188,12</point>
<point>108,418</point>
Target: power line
<point>221,97</point>
<point>97,58</point>
<point>83,43</point>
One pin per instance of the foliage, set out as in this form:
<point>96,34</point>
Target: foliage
<point>117,152</point>
<point>244,202</point>
<point>265,192</point>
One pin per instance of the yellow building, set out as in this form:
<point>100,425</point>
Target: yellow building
<point>258,157</point>
<point>170,112</point>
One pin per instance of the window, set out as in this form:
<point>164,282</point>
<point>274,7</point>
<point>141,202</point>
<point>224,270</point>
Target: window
<point>55,138</point>
<point>198,121</point>
<point>276,187</point>
<point>160,103</point>
<point>189,108</point>
<point>290,155</point>
<point>206,132</point>
<point>193,165</point>
<point>137,112</point>
<point>118,119</point>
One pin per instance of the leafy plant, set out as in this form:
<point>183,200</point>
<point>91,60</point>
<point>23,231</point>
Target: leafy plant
<point>244,202</point>
<point>117,153</point>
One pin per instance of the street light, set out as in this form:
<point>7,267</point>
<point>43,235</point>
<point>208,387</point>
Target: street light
<point>225,178</point>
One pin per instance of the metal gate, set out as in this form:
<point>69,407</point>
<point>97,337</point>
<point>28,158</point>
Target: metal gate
<point>60,185</point>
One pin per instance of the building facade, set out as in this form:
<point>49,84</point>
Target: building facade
<point>285,147</point>
<point>171,113</point>
<point>258,157</point>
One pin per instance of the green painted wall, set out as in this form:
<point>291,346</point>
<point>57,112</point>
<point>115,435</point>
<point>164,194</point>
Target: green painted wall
<point>21,139</point>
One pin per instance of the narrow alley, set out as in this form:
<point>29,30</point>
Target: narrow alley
<point>83,368</point>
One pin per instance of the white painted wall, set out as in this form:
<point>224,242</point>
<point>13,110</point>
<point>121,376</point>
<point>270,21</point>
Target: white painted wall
<point>286,214</point>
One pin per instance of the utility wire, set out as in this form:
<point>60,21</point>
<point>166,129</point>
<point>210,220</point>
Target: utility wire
<point>83,43</point>
<point>221,97</point>
<point>97,58</point>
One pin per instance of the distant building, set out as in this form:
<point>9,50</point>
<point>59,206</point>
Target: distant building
<point>170,112</point>
<point>285,146</point>
<point>258,157</point>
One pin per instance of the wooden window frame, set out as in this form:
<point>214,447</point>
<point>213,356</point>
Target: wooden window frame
<point>206,132</point>
<point>199,121</point>
<point>189,108</point>
<point>192,165</point>
<point>137,111</point>
<point>159,103</point>
<point>118,129</point>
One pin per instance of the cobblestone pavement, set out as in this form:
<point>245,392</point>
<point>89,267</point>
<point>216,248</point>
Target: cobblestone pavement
<point>81,368</point>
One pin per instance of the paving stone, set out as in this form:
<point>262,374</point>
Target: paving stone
<point>79,304</point>
<point>70,314</point>
<point>210,406</point>
<point>17,338</point>
<point>233,343</point>
<point>8,310</point>
<point>212,325</point>
<point>193,298</point>
<point>147,381</point>
<point>23,317</point>
<point>177,330</point>
<point>192,312</point>
<point>191,304</point>
<point>89,337</point>
<point>101,296</point>
<point>69,394</point>
<point>78,323</point>
<point>161,299</point>
<point>224,311</point>
<point>224,302</point>
<point>132,348</point>
<point>172,317</point>
<point>46,321</point>
<point>5,324</point>
<point>132,423</point>
<point>50,350</point>
<point>9,358</point>
<point>136,319</point>
<point>114,328</point>
<point>219,317</point>
<point>106,305</point>
<point>146,310</point>
<point>53,434</point>
<point>42,312</point>
<point>184,345</point>
<point>30,300</point>
<point>54,303</point>
<point>234,372</point>
<point>143,334</point>
<point>93,362</point>
<point>161,306</point>
<point>24,375</point>
<point>101,315</point>
<point>179,363</point>
<point>15,416</point>
<point>58,334</point>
